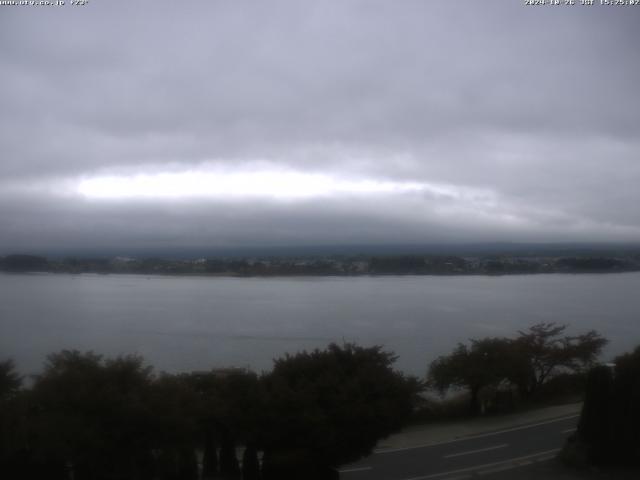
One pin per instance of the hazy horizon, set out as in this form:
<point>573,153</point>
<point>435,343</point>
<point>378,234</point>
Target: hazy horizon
<point>555,249</point>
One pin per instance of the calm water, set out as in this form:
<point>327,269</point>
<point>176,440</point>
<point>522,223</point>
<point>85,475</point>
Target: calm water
<point>193,323</point>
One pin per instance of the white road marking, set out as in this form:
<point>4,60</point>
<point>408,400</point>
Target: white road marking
<point>356,469</point>
<point>498,469</point>
<point>569,430</point>
<point>512,461</point>
<point>495,447</point>
<point>471,437</point>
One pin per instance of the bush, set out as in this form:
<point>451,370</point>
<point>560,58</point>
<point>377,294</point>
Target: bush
<point>92,418</point>
<point>331,407</point>
<point>609,428</point>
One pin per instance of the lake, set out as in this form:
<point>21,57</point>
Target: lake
<point>195,323</point>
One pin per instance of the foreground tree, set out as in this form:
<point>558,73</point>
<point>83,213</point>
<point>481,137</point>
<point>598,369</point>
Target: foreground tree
<point>173,406</point>
<point>527,362</point>
<point>10,381</point>
<point>609,428</point>
<point>545,350</point>
<point>89,417</point>
<point>595,419</point>
<point>12,428</point>
<point>329,407</point>
<point>483,363</point>
<point>626,408</point>
<point>230,412</point>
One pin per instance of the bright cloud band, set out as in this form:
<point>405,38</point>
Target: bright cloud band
<point>237,185</point>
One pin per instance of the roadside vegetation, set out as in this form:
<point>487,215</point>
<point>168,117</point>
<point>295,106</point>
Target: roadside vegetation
<point>542,365</point>
<point>497,374</point>
<point>87,417</point>
<point>608,433</point>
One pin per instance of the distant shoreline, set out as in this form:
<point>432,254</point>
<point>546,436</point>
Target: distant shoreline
<point>330,266</point>
<point>278,276</point>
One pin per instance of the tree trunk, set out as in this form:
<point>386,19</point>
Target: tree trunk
<point>209,457</point>
<point>250,464</point>
<point>188,464</point>
<point>229,466</point>
<point>474,404</point>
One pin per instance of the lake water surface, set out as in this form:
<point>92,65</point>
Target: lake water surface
<point>195,323</point>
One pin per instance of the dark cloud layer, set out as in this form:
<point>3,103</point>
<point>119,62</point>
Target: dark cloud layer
<point>537,107</point>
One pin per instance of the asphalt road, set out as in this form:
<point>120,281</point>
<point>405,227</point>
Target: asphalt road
<point>488,454</point>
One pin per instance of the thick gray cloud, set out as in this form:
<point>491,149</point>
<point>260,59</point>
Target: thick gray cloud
<point>535,108</point>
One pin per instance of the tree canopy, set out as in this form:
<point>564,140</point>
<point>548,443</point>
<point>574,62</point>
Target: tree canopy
<point>546,349</point>
<point>329,407</point>
<point>96,418</point>
<point>10,381</point>
<point>484,362</point>
<point>527,361</point>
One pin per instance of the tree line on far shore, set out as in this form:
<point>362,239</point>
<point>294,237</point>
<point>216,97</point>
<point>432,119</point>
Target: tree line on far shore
<point>332,265</point>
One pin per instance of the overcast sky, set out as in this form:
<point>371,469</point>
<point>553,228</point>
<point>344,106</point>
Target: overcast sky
<point>217,123</point>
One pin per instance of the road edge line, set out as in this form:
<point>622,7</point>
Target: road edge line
<point>486,465</point>
<point>474,436</point>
